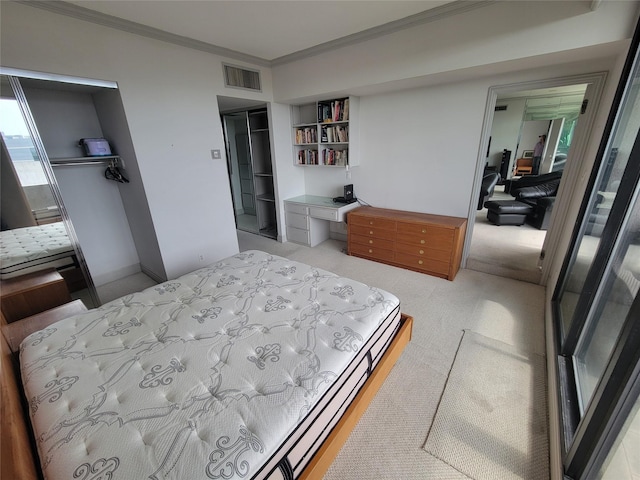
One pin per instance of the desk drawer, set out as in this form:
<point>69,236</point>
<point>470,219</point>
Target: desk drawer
<point>371,252</point>
<point>324,213</point>
<point>368,221</point>
<point>373,232</point>
<point>296,220</point>
<point>373,242</point>
<point>298,236</point>
<point>296,208</point>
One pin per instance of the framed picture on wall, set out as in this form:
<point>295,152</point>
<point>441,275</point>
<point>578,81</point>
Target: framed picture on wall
<point>527,154</point>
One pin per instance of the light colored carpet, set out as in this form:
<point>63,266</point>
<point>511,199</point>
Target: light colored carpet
<point>387,442</point>
<point>492,420</point>
<point>506,250</point>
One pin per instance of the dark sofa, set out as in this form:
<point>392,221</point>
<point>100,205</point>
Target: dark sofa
<point>538,191</point>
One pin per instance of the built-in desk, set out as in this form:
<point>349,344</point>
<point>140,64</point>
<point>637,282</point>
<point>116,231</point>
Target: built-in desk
<point>308,218</point>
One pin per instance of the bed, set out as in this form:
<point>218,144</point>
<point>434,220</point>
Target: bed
<point>31,249</point>
<point>254,367</point>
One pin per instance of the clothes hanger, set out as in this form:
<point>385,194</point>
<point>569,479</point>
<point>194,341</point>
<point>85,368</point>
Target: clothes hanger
<point>113,173</point>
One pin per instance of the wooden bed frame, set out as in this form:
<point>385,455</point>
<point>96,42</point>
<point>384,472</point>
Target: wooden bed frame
<point>19,459</point>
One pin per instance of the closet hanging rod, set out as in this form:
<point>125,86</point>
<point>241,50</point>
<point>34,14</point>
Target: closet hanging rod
<point>80,161</point>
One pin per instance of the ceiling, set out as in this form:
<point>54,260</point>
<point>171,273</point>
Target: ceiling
<point>264,29</point>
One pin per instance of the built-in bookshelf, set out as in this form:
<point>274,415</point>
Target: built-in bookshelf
<point>325,133</point>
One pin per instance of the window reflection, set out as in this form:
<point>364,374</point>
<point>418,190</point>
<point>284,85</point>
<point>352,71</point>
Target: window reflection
<point>621,285</point>
<point>615,163</point>
<point>622,461</point>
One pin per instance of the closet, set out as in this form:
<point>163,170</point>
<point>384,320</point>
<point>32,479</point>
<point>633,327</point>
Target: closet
<point>70,185</point>
<point>251,171</point>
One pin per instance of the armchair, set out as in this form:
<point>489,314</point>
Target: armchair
<point>489,182</point>
<point>538,191</point>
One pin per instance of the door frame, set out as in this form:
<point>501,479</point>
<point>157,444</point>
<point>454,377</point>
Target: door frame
<point>593,94</point>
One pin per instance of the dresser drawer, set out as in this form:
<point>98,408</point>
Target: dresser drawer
<point>372,232</point>
<point>296,220</point>
<point>298,236</point>
<point>367,221</point>
<point>422,251</point>
<point>324,213</point>
<point>371,252</point>
<point>423,264</point>
<point>373,242</point>
<point>437,238</point>
<point>296,208</point>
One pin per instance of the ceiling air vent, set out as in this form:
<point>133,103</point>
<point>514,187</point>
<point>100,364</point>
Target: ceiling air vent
<point>501,108</point>
<point>237,77</point>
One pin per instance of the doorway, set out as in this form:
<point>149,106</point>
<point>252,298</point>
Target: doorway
<point>555,106</point>
<point>249,163</point>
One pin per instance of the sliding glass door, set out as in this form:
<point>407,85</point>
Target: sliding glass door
<point>597,301</point>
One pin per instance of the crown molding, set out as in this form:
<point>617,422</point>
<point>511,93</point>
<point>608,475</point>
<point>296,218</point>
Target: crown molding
<point>82,13</point>
<point>428,16</point>
<point>71,10</point>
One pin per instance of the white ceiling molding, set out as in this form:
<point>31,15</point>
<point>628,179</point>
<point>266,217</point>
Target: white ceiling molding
<point>428,16</point>
<point>86,14</point>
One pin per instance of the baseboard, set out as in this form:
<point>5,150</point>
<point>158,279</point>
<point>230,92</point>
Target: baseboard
<point>112,276</point>
<point>555,435</point>
<point>151,274</point>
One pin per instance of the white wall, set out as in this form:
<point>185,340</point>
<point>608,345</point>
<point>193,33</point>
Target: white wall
<point>169,96</point>
<point>505,131</point>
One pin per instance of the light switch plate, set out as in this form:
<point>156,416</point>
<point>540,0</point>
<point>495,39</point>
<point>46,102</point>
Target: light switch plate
<point>215,154</point>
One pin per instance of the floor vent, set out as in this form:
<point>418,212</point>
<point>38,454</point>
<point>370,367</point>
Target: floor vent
<point>237,77</point>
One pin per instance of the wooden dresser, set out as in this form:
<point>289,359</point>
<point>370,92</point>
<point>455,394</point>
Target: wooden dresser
<point>417,241</point>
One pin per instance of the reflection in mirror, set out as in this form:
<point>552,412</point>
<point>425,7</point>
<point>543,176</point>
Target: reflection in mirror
<point>34,239</point>
<point>614,163</point>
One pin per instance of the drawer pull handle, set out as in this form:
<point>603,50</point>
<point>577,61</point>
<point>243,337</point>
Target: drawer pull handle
<point>422,241</point>
<point>370,251</point>
<point>421,252</point>
<point>370,241</point>
<point>371,222</point>
<point>424,230</point>
<point>370,232</point>
<point>420,262</point>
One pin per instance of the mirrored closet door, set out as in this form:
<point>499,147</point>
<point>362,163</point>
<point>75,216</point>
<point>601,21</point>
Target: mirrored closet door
<point>37,234</point>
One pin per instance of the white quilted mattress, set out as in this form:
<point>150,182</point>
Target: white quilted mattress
<point>216,374</point>
<point>30,249</point>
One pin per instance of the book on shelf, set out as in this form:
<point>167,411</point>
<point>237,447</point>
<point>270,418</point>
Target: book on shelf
<point>335,157</point>
<point>307,157</point>
<point>342,134</point>
<point>306,135</point>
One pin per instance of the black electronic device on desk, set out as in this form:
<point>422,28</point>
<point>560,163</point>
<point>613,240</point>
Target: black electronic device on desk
<point>348,195</point>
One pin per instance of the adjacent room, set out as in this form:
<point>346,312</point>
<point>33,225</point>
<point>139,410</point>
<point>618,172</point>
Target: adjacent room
<point>320,239</point>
